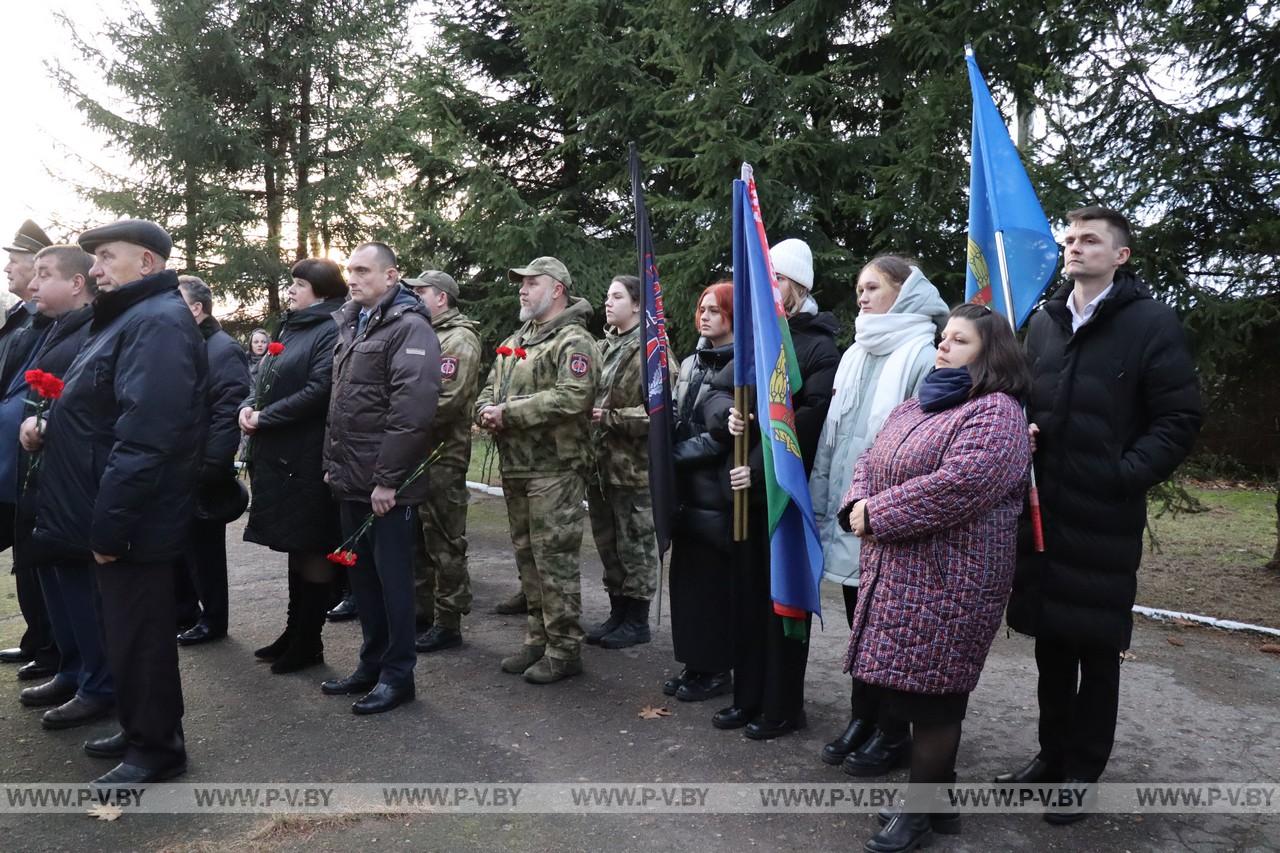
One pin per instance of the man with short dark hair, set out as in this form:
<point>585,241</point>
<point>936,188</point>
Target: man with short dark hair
<point>1114,408</point>
<point>121,450</point>
<point>204,563</point>
<point>82,689</point>
<point>386,380</point>
<point>446,584</point>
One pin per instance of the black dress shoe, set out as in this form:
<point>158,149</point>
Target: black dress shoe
<point>762,729</point>
<point>14,655</point>
<point>672,684</point>
<point>855,734</point>
<point>880,754</point>
<point>345,611</point>
<point>34,670</point>
<point>199,633</point>
<point>111,746</point>
<point>75,712</point>
<point>704,686</point>
<point>383,697</point>
<point>905,831</point>
<point>52,692</point>
<point>943,823</point>
<point>132,774</point>
<point>1035,772</point>
<point>732,717</point>
<point>349,686</point>
<point>1074,812</point>
<point>437,639</point>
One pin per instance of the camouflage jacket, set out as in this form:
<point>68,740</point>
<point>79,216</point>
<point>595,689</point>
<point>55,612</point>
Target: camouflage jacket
<point>459,384</point>
<point>621,439</point>
<point>548,392</point>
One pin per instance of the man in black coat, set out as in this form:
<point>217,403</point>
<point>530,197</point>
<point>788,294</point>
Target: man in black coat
<point>121,449</point>
<point>1114,408</point>
<point>205,562</point>
<point>20,332</point>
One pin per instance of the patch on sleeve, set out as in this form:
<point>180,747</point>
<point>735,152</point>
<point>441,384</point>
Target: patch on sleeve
<point>448,367</point>
<point>579,364</point>
<point>414,351</point>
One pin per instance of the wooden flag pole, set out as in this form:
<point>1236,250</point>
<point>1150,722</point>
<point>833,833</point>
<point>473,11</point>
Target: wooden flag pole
<point>741,453</point>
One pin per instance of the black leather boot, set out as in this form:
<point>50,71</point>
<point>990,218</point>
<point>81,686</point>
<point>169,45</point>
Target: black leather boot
<point>1033,773</point>
<point>854,735</point>
<point>634,629</point>
<point>617,611</point>
<point>274,650</point>
<point>905,831</point>
<point>880,754</point>
<point>305,646</point>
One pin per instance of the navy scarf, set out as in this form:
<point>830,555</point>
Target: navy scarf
<point>944,388</point>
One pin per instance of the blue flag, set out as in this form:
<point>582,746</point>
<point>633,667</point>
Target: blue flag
<point>765,358</point>
<point>656,371</point>
<point>1002,201</point>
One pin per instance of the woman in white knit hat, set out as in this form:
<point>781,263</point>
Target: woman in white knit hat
<point>899,316</point>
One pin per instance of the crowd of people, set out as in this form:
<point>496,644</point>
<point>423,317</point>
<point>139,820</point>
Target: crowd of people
<point>355,421</point>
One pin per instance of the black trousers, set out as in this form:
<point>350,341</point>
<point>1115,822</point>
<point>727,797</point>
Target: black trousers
<point>1079,695</point>
<point>768,668</point>
<point>864,700</point>
<point>382,582</point>
<point>137,621</point>
<point>201,582</point>
<point>37,640</point>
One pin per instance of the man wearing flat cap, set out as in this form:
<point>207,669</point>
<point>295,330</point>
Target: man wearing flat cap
<point>537,403</point>
<point>21,332</point>
<point>121,449</point>
<point>444,512</point>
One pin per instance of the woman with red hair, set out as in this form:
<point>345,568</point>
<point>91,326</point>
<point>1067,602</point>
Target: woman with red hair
<point>701,539</point>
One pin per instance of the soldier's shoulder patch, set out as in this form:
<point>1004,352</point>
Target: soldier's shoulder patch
<point>448,367</point>
<point>579,364</point>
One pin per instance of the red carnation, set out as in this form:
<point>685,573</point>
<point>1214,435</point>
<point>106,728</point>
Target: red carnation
<point>275,348</point>
<point>342,557</point>
<point>505,351</point>
<point>521,352</point>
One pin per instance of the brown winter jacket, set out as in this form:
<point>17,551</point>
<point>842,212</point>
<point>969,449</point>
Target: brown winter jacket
<point>385,387</point>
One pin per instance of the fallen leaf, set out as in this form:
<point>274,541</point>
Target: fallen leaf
<point>1270,648</point>
<point>106,811</point>
<point>650,712</point>
<point>1176,641</point>
<point>1182,623</point>
<point>1127,655</point>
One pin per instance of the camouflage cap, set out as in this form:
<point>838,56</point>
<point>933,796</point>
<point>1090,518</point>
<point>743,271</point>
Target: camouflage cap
<point>542,266</point>
<point>441,281</point>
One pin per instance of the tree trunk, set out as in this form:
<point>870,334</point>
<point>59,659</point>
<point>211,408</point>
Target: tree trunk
<point>192,241</point>
<point>302,153</point>
<point>1275,558</point>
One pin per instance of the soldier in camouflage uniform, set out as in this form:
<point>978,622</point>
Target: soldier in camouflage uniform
<point>444,512</point>
<point>618,494</point>
<point>537,403</point>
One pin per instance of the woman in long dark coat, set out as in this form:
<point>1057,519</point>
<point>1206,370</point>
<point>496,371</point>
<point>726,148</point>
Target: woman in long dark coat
<point>292,509</point>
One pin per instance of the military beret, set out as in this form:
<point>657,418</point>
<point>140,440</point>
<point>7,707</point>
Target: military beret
<point>441,281</point>
<point>542,266</point>
<point>140,232</point>
<point>30,238</point>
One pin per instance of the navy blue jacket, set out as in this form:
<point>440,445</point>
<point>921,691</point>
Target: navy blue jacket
<point>123,445</point>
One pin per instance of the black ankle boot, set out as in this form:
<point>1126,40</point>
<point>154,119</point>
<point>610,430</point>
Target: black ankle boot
<point>274,650</point>
<point>880,754</point>
<point>305,646</point>
<point>905,831</point>
<point>617,611</point>
<point>854,735</point>
<point>634,629</point>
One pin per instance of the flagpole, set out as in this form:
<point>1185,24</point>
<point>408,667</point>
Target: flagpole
<point>1033,497</point>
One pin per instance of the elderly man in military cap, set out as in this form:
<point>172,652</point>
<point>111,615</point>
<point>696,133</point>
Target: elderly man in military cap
<point>22,331</point>
<point>122,448</point>
<point>444,512</point>
<point>537,403</point>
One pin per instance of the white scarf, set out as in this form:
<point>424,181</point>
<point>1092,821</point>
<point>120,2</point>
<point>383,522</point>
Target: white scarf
<point>900,336</point>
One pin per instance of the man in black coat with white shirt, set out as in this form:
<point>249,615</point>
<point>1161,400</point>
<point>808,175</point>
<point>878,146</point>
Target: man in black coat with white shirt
<point>121,449</point>
<point>1114,408</point>
<point>204,564</point>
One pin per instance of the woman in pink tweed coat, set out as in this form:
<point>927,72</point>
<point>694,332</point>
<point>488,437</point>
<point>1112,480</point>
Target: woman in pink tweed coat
<point>936,501</point>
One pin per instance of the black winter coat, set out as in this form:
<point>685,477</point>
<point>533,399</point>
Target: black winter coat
<point>1118,407</point>
<point>19,334</point>
<point>292,507</point>
<point>703,450</point>
<point>228,386</point>
<point>123,444</point>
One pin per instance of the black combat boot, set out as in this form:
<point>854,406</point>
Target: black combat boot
<point>634,629</point>
<point>617,610</point>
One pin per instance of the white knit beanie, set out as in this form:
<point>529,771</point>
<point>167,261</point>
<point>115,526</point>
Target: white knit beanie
<point>793,259</point>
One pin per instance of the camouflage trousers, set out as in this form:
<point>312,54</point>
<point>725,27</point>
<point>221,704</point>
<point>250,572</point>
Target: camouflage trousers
<point>442,585</point>
<point>622,525</point>
<point>546,530</point>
